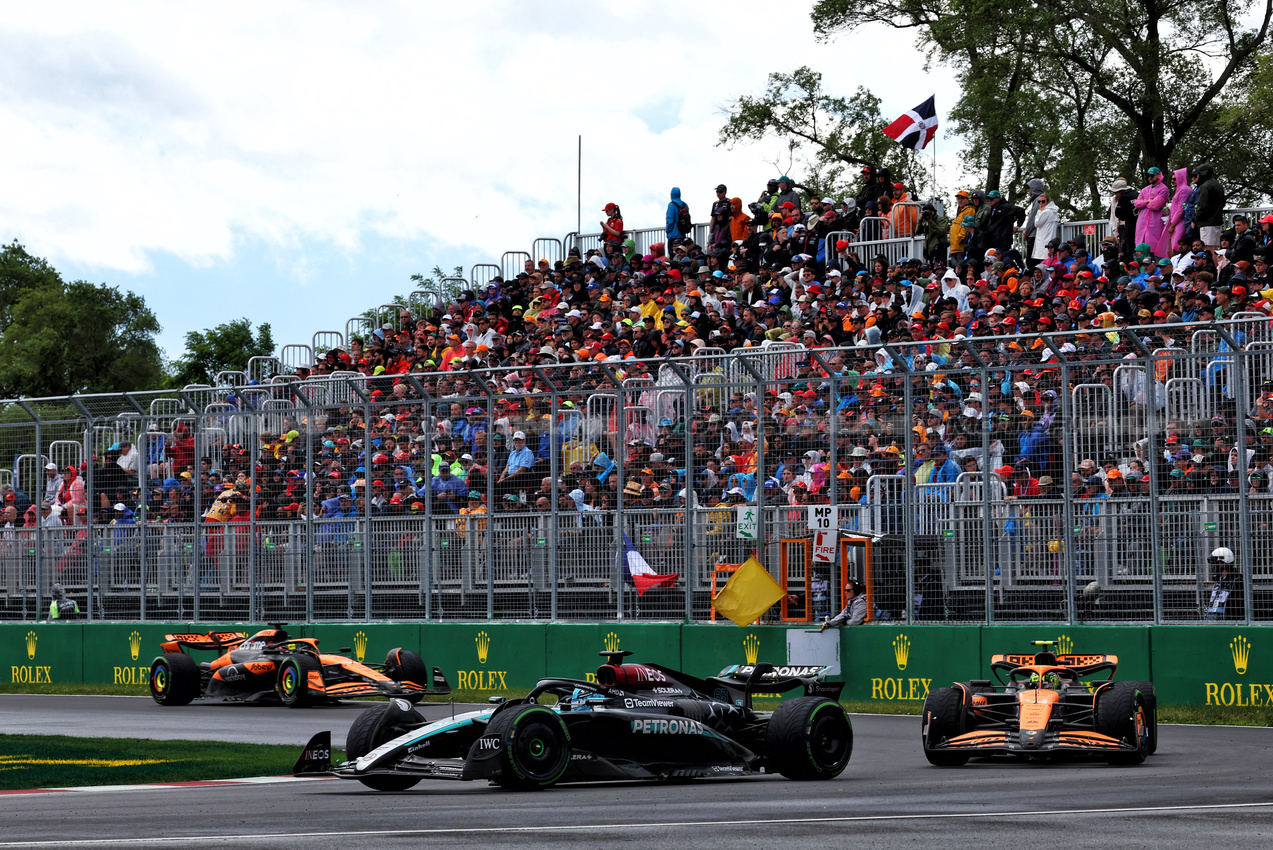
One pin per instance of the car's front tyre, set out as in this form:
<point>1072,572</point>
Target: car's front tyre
<point>943,720</point>
<point>535,747</point>
<point>367,734</point>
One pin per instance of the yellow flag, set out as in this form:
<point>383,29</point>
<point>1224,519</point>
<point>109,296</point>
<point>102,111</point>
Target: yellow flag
<point>749,593</point>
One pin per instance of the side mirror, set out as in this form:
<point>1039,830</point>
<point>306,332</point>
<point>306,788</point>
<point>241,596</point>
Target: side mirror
<point>495,700</point>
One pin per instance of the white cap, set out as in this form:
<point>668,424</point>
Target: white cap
<point>465,456</point>
<point>119,506</point>
<point>52,466</point>
<point>833,273</point>
<point>827,201</point>
<point>519,435</point>
<point>574,314</point>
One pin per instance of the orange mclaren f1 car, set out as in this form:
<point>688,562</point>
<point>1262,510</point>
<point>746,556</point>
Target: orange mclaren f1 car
<point>272,666</point>
<point>1043,706</point>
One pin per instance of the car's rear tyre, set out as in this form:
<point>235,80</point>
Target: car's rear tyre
<point>943,720</point>
<point>809,738</point>
<point>1122,712</point>
<point>365,735</point>
<point>403,665</point>
<point>292,686</point>
<point>1151,704</point>
<point>174,679</point>
<point>535,749</point>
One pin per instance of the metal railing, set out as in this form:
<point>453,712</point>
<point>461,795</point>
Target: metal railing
<point>1054,535</point>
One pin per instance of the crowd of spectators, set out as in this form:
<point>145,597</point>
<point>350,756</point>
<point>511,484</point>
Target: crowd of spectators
<point>990,278</point>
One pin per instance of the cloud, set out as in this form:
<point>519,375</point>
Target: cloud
<point>137,131</point>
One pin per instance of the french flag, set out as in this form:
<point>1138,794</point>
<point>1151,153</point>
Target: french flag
<point>916,128</point>
<point>640,573</point>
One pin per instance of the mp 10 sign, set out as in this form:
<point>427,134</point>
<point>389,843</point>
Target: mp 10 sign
<point>823,518</point>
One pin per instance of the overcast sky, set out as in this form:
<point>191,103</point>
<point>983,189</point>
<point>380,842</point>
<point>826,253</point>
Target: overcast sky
<point>295,163</point>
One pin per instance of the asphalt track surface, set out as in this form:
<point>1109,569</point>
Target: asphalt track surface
<point>1207,786</point>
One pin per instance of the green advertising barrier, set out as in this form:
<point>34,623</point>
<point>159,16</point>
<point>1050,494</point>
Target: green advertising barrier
<point>41,653</point>
<point>903,663</point>
<point>573,648</point>
<point>121,653</point>
<point>1214,665</point>
<point>1130,643</point>
<point>706,650</point>
<point>366,642</point>
<point>486,657</point>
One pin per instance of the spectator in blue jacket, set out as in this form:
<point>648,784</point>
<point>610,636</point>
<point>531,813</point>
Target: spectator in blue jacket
<point>674,208</point>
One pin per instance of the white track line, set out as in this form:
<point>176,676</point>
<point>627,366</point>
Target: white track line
<point>257,838</point>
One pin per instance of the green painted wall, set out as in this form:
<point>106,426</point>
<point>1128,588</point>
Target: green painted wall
<point>1189,665</point>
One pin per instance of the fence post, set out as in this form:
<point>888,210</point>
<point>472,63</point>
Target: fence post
<point>256,606</point>
<point>987,508</point>
<point>90,559</point>
<point>1151,420</point>
<point>367,538</point>
<point>1067,465</point>
<point>39,529</point>
<point>908,482</point>
<point>1244,501</point>
<point>426,428</point>
<point>554,469</point>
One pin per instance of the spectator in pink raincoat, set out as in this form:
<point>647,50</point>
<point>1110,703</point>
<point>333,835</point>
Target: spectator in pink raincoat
<point>1176,225</point>
<point>1149,223</point>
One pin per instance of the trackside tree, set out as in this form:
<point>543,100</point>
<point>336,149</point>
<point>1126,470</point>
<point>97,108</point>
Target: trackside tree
<point>1084,91</point>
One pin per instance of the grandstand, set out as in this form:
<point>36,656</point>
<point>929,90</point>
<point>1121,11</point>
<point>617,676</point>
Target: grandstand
<point>1004,445</point>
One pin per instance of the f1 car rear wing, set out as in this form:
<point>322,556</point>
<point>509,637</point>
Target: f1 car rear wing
<point>216,641</point>
<point>767,678</point>
<point>1082,665</point>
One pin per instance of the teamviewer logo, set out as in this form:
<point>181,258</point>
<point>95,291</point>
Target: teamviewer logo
<point>1241,649</point>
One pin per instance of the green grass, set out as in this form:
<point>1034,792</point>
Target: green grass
<point>56,761</point>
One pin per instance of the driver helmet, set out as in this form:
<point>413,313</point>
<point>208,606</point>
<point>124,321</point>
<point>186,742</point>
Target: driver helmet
<point>58,591</point>
<point>579,700</point>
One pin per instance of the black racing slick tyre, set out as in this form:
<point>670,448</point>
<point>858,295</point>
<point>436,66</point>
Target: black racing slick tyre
<point>365,735</point>
<point>1122,712</point>
<point>292,686</point>
<point>1151,703</point>
<point>943,720</point>
<point>535,747</point>
<point>809,738</point>
<point>174,679</point>
<point>403,665</point>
